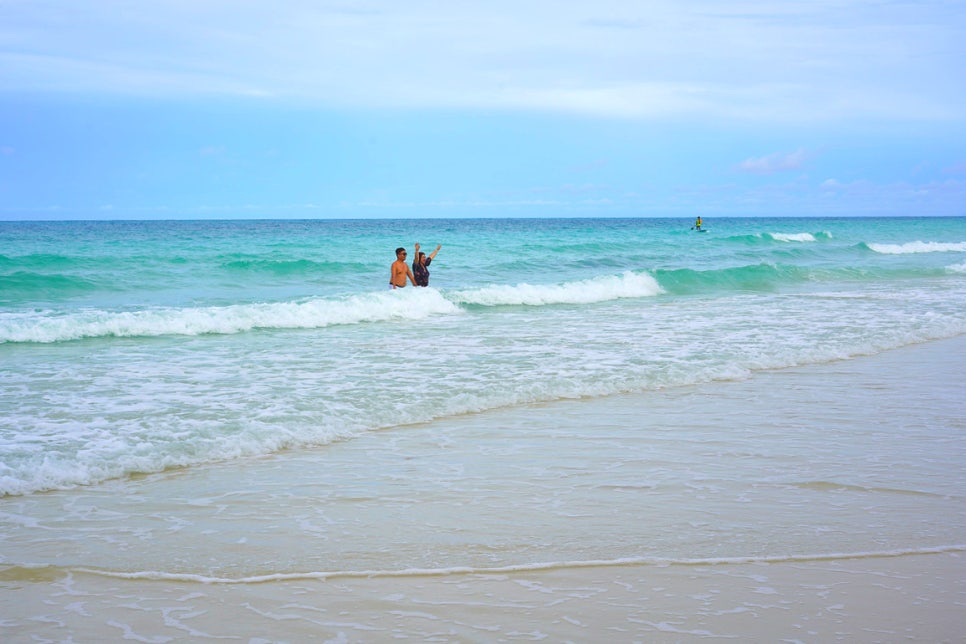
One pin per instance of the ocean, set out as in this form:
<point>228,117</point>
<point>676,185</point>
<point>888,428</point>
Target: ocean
<point>246,403</point>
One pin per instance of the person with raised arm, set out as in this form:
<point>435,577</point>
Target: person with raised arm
<point>421,265</point>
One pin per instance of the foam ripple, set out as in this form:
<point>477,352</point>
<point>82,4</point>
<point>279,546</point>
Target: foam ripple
<point>154,575</point>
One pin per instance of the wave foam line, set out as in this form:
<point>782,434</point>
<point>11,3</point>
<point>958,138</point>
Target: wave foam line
<point>794,237</point>
<point>915,247</point>
<point>533,567</point>
<point>413,304</point>
<point>589,291</point>
<point>764,238</point>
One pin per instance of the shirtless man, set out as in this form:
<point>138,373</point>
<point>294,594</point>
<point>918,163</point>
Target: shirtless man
<point>400,270</point>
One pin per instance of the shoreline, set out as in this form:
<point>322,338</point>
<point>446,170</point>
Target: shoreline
<point>912,597</point>
<point>916,591</point>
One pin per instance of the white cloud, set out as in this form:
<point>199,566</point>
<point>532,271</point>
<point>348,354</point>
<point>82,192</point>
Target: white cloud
<point>755,59</point>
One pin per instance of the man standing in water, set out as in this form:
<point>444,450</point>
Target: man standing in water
<point>421,265</point>
<point>399,270</point>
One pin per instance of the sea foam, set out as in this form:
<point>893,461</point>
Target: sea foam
<point>52,326</point>
<point>525,567</point>
<point>918,247</point>
<point>598,289</point>
<point>792,237</point>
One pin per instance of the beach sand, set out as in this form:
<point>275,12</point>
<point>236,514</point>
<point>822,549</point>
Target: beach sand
<point>824,594</point>
<point>918,598</point>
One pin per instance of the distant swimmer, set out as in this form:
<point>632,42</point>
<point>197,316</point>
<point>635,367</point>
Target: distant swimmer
<point>399,271</point>
<point>421,265</point>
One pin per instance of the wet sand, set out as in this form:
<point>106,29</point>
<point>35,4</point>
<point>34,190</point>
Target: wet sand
<point>919,598</point>
<point>847,594</point>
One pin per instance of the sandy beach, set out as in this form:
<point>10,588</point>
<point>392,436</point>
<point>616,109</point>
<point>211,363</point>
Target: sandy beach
<point>360,321</point>
<point>913,598</point>
<point>881,582</point>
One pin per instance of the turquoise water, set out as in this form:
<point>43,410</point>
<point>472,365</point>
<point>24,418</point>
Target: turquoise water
<point>132,347</point>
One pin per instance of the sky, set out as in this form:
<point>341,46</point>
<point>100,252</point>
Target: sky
<point>195,109</point>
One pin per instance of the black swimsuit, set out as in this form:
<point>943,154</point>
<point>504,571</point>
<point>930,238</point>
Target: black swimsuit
<point>421,272</point>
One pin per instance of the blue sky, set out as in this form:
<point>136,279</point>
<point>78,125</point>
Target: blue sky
<point>415,108</point>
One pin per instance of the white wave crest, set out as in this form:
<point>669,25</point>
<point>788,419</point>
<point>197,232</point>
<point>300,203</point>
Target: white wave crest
<point>598,289</point>
<point>792,237</point>
<point>957,268</point>
<point>919,247</point>
<point>411,304</point>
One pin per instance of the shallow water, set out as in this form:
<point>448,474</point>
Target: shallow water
<point>820,503</point>
<point>776,466</point>
<point>222,419</point>
<point>131,347</point>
